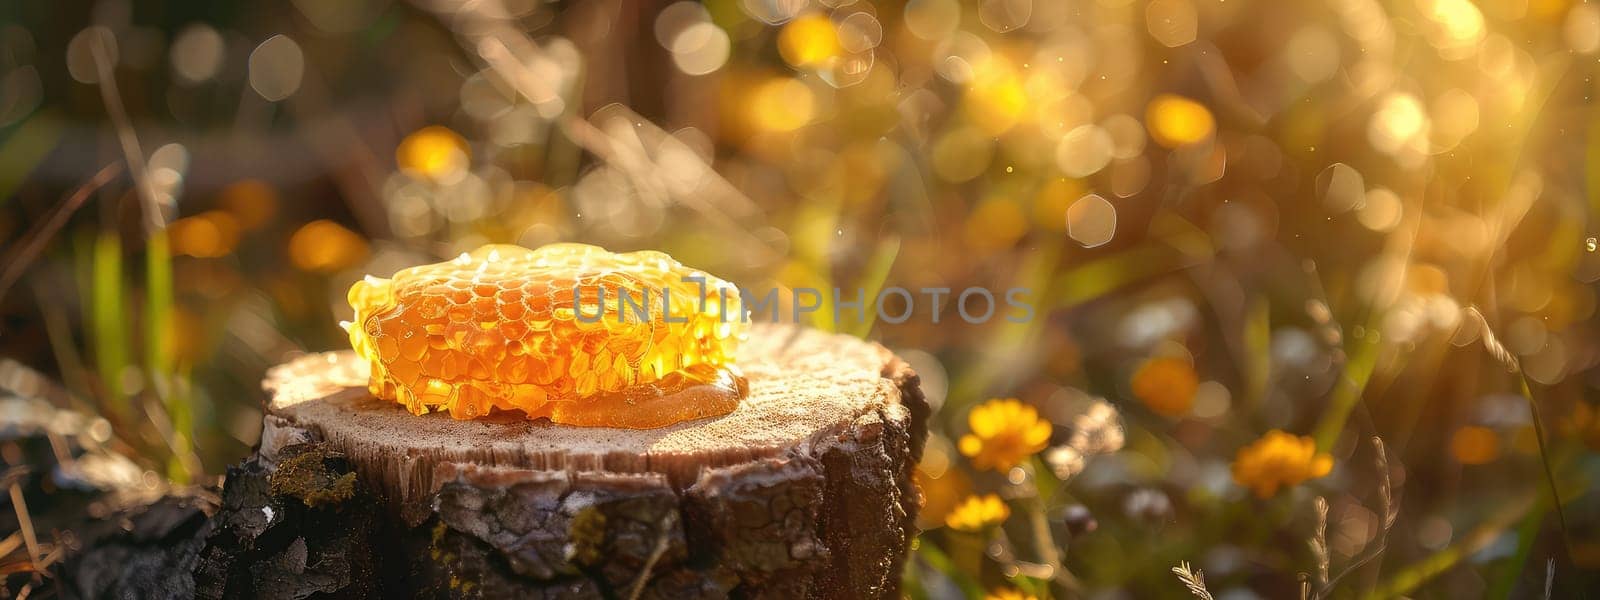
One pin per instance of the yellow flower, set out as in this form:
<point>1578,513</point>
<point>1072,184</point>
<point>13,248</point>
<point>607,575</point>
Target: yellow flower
<point>1277,460</point>
<point>1008,594</point>
<point>1166,385</point>
<point>1003,433</point>
<point>977,513</point>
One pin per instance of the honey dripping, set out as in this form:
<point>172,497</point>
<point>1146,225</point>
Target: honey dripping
<point>500,328</point>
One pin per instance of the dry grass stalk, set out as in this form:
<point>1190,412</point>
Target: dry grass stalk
<point>1495,348</point>
<point>665,526</point>
<point>1491,343</point>
<point>1386,507</point>
<point>25,524</point>
<point>1385,485</point>
<point>126,138</point>
<point>1319,541</point>
<point>1097,431</point>
<point>10,543</point>
<point>24,253</point>
<point>1549,577</point>
<point>1194,579</point>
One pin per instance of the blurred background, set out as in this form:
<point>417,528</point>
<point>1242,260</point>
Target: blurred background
<point>1257,234</point>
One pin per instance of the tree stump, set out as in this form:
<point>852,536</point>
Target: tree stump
<point>803,491</point>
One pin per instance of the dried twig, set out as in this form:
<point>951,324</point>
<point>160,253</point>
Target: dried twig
<point>1194,579</point>
<point>10,543</point>
<point>666,525</point>
<point>17,262</point>
<point>131,153</point>
<point>25,524</point>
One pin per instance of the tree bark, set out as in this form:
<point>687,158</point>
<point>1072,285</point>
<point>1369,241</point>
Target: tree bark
<point>804,491</point>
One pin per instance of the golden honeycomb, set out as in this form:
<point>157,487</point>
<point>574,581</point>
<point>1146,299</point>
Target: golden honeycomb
<point>501,328</point>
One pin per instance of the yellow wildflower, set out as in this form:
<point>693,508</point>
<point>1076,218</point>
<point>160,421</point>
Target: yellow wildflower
<point>977,513</point>
<point>1009,594</point>
<point>1003,433</point>
<point>1277,460</point>
<point>1166,385</point>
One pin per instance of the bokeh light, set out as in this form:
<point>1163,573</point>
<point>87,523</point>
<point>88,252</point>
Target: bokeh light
<point>808,40</point>
<point>782,104</point>
<point>1092,221</point>
<point>276,67</point>
<point>1172,23</point>
<point>434,153</point>
<point>700,48</point>
<point>1176,121</point>
<point>197,53</point>
<point>324,246</point>
<point>211,234</point>
<point>1084,151</point>
<point>252,202</point>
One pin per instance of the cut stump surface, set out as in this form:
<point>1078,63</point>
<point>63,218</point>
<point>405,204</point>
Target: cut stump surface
<point>803,491</point>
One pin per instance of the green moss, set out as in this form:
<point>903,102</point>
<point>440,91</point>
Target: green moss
<point>307,476</point>
<point>588,534</point>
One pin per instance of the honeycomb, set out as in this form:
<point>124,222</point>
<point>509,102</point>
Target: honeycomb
<point>500,328</point>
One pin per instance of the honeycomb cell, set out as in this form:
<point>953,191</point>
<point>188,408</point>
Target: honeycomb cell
<point>568,332</point>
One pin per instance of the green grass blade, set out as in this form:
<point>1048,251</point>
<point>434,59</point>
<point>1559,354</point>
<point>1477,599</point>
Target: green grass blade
<point>1347,392</point>
<point>108,331</point>
<point>159,365</point>
<point>873,280</point>
<point>1258,353</point>
<point>939,561</point>
<point>1008,337</point>
<point>1415,575</point>
<point>158,309</point>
